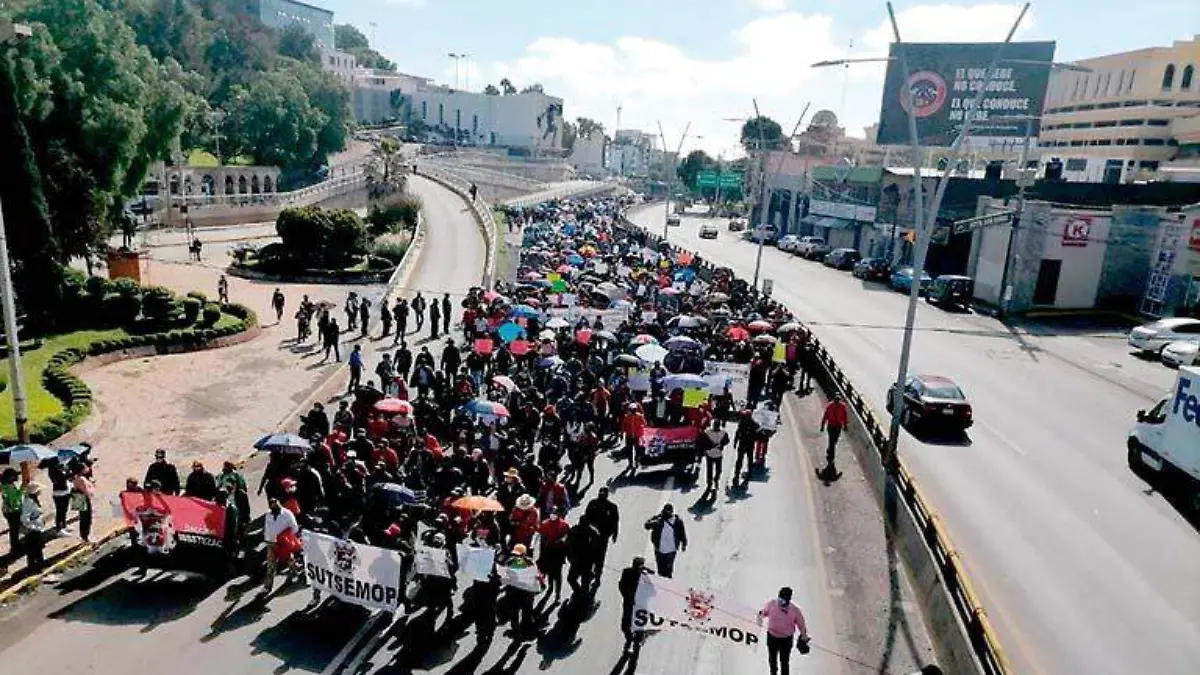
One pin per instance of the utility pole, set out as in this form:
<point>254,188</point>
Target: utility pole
<point>764,202</point>
<point>669,171</point>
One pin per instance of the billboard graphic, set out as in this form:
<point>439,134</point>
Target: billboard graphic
<point>944,80</point>
<point>1076,230</point>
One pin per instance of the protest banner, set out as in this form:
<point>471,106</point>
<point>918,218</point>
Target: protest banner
<point>355,573</point>
<point>523,578</point>
<point>162,521</point>
<point>668,604</point>
<point>661,444</point>
<point>475,562</point>
<point>431,561</point>
<point>721,374</point>
<point>694,398</point>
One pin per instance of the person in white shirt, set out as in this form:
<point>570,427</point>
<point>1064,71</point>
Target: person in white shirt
<point>713,442</point>
<point>278,521</point>
<point>668,536</point>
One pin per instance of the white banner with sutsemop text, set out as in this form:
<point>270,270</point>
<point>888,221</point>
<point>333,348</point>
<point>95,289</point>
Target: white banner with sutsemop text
<point>670,604</point>
<point>355,573</point>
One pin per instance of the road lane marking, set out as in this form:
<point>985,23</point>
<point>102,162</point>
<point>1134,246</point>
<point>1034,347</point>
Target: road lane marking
<point>335,666</point>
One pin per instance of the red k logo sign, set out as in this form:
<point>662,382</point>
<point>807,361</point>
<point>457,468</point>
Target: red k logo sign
<point>1076,231</point>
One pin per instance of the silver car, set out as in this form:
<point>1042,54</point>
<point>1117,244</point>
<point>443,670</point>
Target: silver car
<point>1153,337</point>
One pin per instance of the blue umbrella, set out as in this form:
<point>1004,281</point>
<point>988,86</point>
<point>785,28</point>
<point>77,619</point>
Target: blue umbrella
<point>575,260</point>
<point>509,331</point>
<point>686,274</point>
<point>550,362</point>
<point>682,343</point>
<point>524,311</point>
<point>26,452</point>
<point>396,494</point>
<point>78,451</point>
<point>290,444</point>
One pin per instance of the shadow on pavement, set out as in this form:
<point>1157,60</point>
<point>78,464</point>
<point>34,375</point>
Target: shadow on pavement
<point>310,641</point>
<point>157,598</point>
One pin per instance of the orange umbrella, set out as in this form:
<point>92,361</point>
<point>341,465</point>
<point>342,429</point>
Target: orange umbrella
<point>477,503</point>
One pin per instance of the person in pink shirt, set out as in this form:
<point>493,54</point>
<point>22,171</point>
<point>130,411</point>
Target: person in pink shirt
<point>784,620</point>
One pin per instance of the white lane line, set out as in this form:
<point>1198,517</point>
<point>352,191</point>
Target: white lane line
<point>335,666</point>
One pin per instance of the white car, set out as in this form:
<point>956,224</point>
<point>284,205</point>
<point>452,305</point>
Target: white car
<point>708,231</point>
<point>808,245</point>
<point>1182,353</point>
<point>788,243</point>
<point>1153,337</point>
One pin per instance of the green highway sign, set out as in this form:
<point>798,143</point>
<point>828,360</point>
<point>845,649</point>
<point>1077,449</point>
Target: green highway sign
<point>712,179</point>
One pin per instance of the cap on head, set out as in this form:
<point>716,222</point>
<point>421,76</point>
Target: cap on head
<point>519,549</point>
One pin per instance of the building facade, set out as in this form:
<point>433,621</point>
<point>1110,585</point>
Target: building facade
<point>631,153</point>
<point>529,120</point>
<point>280,14</point>
<point>1118,122</point>
<point>588,155</point>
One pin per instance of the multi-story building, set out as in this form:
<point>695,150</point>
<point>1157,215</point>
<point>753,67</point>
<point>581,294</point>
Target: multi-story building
<point>529,120</point>
<point>588,154</point>
<point>280,14</point>
<point>631,153</point>
<point>1118,121</point>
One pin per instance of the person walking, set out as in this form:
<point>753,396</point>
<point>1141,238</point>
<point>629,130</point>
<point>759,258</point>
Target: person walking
<point>603,512</point>
<point>631,578</point>
<point>669,536</point>
<point>10,503</point>
<point>744,439</point>
<point>833,422</point>
<point>386,375</point>
<point>281,532</point>
<point>447,311</point>
<point>351,309</point>
<point>83,489</point>
<point>584,543</point>
<point>163,473</point>
<point>713,442</point>
<point>400,314</point>
<point>385,317</point>
<point>200,483</point>
<point>418,308</point>
<point>364,315</point>
<point>552,551</point>
<point>435,319</point>
<point>331,336</point>
<point>356,367</point>
<point>223,290</point>
<point>784,620</point>
<point>277,302</point>
<point>633,424</point>
<point>33,522</point>
<point>60,493</point>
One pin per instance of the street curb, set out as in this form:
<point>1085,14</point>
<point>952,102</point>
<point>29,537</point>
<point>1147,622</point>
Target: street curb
<point>68,558</point>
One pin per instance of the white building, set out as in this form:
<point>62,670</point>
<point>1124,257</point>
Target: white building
<point>631,153</point>
<point>371,91</point>
<point>530,120</point>
<point>588,155</point>
<point>280,14</point>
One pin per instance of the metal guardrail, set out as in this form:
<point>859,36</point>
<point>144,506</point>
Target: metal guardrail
<point>481,209</point>
<point>578,189</point>
<point>488,176</point>
<point>984,644</point>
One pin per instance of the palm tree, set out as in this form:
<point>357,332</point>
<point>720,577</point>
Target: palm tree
<point>507,86</point>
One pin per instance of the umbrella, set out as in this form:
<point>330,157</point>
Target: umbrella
<point>504,381</point>
<point>477,503</point>
<point>720,312</point>
<point>681,343</point>
<point>650,353</point>
<point>80,451</point>
<point>550,362</point>
<point>483,346</point>
<point>546,335</point>
<point>684,381</point>
<point>533,302</point>
<point>396,494</point>
<point>789,327</point>
<point>628,360</point>
<point>509,331</point>
<point>584,336</point>
<point>489,296</point>
<point>288,444</point>
<point>532,276</point>
<point>28,452</point>
<point>557,322</point>
<point>519,347</point>
<point>670,290</point>
<point>759,326</point>
<point>718,298</point>
<point>393,406</point>
<point>644,339</point>
<point>687,321</point>
<point>576,260</point>
<point>604,335</point>
<point>523,311</point>
<point>482,406</point>
<point>765,339</point>
<point>564,269</point>
<point>610,289</point>
<point>738,333</point>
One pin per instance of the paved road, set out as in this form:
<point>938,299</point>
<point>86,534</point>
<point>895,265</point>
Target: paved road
<point>1082,569</point>
<point>108,623</point>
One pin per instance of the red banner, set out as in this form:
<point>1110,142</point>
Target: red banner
<point>659,442</point>
<point>162,521</point>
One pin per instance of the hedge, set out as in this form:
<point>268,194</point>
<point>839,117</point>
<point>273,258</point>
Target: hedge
<point>75,395</point>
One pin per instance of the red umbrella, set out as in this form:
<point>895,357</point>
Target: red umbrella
<point>519,347</point>
<point>533,302</point>
<point>760,326</point>
<point>564,269</point>
<point>489,296</point>
<point>584,336</point>
<point>484,346</point>
<point>533,276</point>
<point>738,333</point>
<point>393,406</point>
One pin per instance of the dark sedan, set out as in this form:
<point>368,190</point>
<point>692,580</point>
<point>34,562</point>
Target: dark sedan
<point>842,258</point>
<point>933,402</point>
<point>873,269</point>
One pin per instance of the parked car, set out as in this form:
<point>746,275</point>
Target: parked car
<point>842,258</point>
<point>902,280</point>
<point>811,247</point>
<point>788,243</point>
<point>952,290</point>
<point>672,221</point>
<point>708,231</point>
<point>1182,353</point>
<point>1154,337</point>
<point>737,225</point>
<point>933,402</point>
<point>873,269</point>
<point>769,234</point>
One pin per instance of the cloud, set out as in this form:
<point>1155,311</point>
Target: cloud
<point>768,5</point>
<point>770,59</point>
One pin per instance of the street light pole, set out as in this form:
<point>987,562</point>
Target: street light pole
<point>668,178</point>
<point>764,202</point>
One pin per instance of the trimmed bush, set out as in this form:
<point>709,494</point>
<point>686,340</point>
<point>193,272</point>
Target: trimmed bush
<point>159,305</point>
<point>191,309</point>
<point>128,287</point>
<point>98,287</point>
<point>396,215</point>
<point>199,296</point>
<point>212,314</point>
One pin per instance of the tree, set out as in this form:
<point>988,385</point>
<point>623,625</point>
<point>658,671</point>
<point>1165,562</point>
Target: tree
<point>762,132</point>
<point>274,122</point>
<point>569,134</point>
<point>297,43</point>
<point>351,40</point>
<point>491,90</point>
<point>387,161</point>
<point>586,127</point>
<point>533,88</point>
<point>507,86</point>
<point>692,165</point>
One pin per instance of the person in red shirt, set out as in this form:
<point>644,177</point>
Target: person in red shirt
<point>523,521</point>
<point>633,424</point>
<point>552,550</point>
<point>553,495</point>
<point>833,421</point>
<point>600,401</point>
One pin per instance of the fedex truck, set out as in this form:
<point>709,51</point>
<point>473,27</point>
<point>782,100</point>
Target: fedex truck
<point>1165,443</point>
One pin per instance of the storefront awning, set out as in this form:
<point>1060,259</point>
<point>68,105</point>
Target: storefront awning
<point>830,222</point>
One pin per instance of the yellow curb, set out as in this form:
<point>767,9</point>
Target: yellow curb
<point>72,555</point>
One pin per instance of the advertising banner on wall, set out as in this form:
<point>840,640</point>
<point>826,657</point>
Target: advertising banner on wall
<point>944,79</point>
<point>1192,218</point>
<point>1076,230</point>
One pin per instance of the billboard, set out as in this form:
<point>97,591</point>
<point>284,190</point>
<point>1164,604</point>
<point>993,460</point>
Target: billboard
<point>944,80</point>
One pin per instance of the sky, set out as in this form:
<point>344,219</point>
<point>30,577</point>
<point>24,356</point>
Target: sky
<point>704,62</point>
